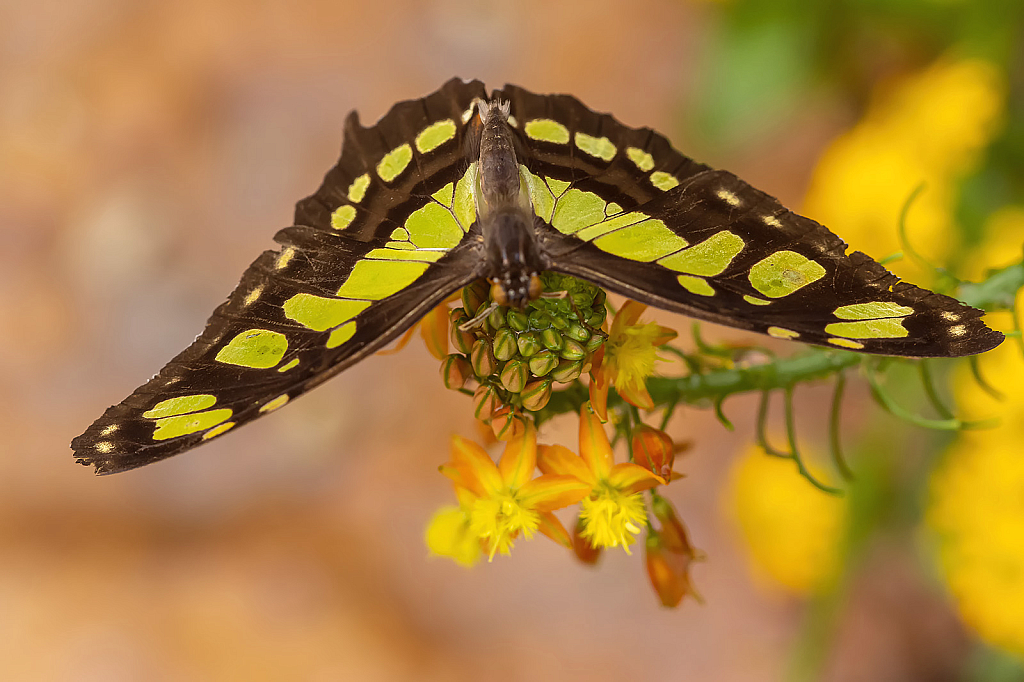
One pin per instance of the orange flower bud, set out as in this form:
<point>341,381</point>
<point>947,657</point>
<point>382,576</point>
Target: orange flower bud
<point>669,555</point>
<point>485,402</point>
<point>536,394</point>
<point>514,375</point>
<point>475,295</point>
<point>482,358</point>
<point>653,450</point>
<point>585,552</point>
<point>507,424</point>
<point>673,531</point>
<point>667,571</point>
<point>455,372</point>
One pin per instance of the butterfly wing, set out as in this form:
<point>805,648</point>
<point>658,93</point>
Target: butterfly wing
<point>624,210</point>
<point>388,235</point>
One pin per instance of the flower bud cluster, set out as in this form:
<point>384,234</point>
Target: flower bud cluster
<point>516,357</point>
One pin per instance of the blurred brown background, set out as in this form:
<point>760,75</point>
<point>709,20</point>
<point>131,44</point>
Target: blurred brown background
<point>148,152</point>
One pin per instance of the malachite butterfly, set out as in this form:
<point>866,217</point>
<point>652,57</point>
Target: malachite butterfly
<point>459,186</point>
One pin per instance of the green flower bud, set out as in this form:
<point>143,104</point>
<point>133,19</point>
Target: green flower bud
<point>573,350</point>
<point>529,344</point>
<point>504,344</point>
<point>594,342</point>
<point>577,332</point>
<point>514,375</point>
<point>567,371</point>
<point>539,319</point>
<point>482,359</point>
<point>485,401</point>
<point>455,371</point>
<point>551,339</point>
<point>497,318</point>
<point>559,322</point>
<point>596,318</point>
<point>536,394</point>
<point>542,363</point>
<point>517,320</point>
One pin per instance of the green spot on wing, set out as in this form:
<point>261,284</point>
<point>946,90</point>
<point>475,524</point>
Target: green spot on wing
<point>357,190</point>
<point>376,279</point>
<point>343,217</point>
<point>663,180</point>
<point>577,209</point>
<point>617,222</point>
<point>433,227</point>
<point>784,272</point>
<point>394,162</point>
<point>642,159</point>
<point>400,234</point>
<point>711,257</point>
<point>646,241</point>
<point>601,147</point>
<point>288,365</point>
<point>541,197</point>
<point>888,328</point>
<point>558,186</point>
<point>696,285</point>
<point>546,130</point>
<point>463,204</point>
<point>780,333</point>
<point>341,335</point>
<point>434,135</point>
<point>175,427</point>
<point>872,310</point>
<point>180,405</point>
<point>445,195</point>
<point>255,348</point>
<point>407,254</point>
<point>754,300</point>
<point>319,313</point>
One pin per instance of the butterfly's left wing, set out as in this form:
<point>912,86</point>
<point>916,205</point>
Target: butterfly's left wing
<point>623,209</point>
<point>388,235</point>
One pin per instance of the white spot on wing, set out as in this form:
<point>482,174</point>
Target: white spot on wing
<point>104,447</point>
<point>957,330</point>
<point>110,429</point>
<point>251,297</point>
<point>772,221</point>
<point>728,197</point>
<point>950,316</point>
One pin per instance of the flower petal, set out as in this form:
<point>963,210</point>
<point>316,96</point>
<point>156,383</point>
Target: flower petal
<point>520,458</point>
<point>627,316</point>
<point>549,492</point>
<point>448,535</point>
<point>434,331</point>
<point>637,396</point>
<point>553,528</point>
<point>595,449</point>
<point>477,466</point>
<point>632,478</point>
<point>665,335</point>
<point>599,397</point>
<point>560,460</point>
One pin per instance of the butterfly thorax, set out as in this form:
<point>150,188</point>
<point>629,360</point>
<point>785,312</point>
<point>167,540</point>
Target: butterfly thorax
<point>505,213</point>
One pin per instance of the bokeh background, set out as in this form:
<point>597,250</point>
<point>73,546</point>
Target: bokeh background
<point>149,150</point>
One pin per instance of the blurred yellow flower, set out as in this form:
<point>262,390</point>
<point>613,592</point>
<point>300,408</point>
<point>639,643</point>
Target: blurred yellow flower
<point>927,128</point>
<point>448,534</point>
<point>976,507</point>
<point>1003,245</point>
<point>793,532</point>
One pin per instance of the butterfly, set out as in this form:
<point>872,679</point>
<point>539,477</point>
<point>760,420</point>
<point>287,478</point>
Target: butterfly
<point>459,186</point>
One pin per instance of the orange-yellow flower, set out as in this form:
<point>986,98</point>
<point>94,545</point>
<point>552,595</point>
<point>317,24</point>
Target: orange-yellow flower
<point>504,500</point>
<point>614,511</point>
<point>627,359</point>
